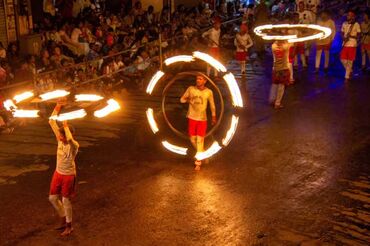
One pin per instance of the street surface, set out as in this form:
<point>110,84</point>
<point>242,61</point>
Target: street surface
<point>295,176</point>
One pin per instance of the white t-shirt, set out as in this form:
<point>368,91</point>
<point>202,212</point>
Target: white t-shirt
<point>356,29</point>
<point>66,154</point>
<point>244,40</point>
<point>306,17</point>
<point>280,52</point>
<point>198,101</point>
<point>214,37</point>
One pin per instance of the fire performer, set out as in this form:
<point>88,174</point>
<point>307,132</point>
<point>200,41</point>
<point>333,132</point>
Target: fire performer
<point>198,97</point>
<point>213,38</point>
<point>242,42</point>
<point>280,72</point>
<point>64,178</point>
<point>365,40</point>
<point>350,33</point>
<point>324,44</point>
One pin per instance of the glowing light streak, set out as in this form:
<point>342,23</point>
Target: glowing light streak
<point>174,148</point>
<point>153,125</point>
<point>9,105</point>
<point>210,60</point>
<point>54,94</point>
<point>23,96</point>
<point>20,113</point>
<point>234,90</point>
<point>77,114</point>
<point>209,152</point>
<point>156,77</point>
<point>230,133</point>
<point>88,97</point>
<point>112,106</point>
<point>324,32</point>
<point>181,58</point>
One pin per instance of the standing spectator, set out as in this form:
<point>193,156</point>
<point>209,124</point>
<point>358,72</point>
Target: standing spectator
<point>213,39</point>
<point>324,44</point>
<point>242,42</point>
<point>365,39</point>
<point>350,33</point>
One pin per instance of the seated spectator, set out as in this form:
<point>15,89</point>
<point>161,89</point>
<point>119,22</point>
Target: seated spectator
<point>13,55</point>
<point>44,63</point>
<point>24,73</point>
<point>57,58</point>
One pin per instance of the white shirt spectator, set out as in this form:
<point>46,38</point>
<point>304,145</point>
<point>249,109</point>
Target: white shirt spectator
<point>350,30</point>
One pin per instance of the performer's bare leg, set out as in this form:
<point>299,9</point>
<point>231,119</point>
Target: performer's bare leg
<point>348,67</point>
<point>199,148</point>
<point>193,140</point>
<point>279,95</point>
<point>57,204</point>
<point>67,205</point>
<point>365,54</point>
<point>242,67</point>
<point>326,65</point>
<point>318,59</point>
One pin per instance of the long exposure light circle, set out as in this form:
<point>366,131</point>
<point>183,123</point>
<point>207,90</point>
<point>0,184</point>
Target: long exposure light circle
<point>323,32</point>
<point>236,98</point>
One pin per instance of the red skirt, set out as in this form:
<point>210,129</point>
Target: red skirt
<point>299,48</point>
<point>348,53</point>
<point>281,77</point>
<point>365,47</point>
<point>241,55</point>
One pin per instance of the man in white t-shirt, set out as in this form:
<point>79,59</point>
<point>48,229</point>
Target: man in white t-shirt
<point>64,177</point>
<point>324,44</point>
<point>350,33</point>
<point>198,98</point>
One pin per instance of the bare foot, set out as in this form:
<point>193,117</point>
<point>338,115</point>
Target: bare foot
<point>67,231</point>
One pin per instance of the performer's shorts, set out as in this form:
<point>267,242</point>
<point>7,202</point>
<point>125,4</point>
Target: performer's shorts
<point>365,47</point>
<point>63,185</point>
<point>197,128</point>
<point>323,47</point>
<point>241,56</point>
<point>348,53</point>
<point>281,77</point>
<point>299,49</point>
<point>215,52</point>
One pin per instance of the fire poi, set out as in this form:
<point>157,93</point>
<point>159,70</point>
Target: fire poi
<point>236,100</point>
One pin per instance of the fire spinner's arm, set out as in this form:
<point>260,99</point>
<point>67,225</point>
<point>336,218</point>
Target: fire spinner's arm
<point>53,123</point>
<point>186,97</point>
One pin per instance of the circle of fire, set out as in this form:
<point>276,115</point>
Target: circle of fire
<point>322,32</point>
<point>236,98</point>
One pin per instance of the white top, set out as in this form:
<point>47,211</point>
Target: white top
<point>330,24</point>
<point>306,17</point>
<point>198,101</point>
<point>244,40</point>
<point>214,37</point>
<point>280,52</point>
<point>356,29</point>
<point>66,154</point>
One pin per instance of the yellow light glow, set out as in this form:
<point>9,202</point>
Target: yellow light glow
<point>20,113</point>
<point>209,152</point>
<point>156,77</point>
<point>77,114</point>
<point>88,97</point>
<point>174,148</point>
<point>153,125</point>
<point>181,58</point>
<point>234,90</point>
<point>324,32</point>
<point>210,60</point>
<point>112,106</point>
<point>54,94</point>
<point>9,105</point>
<point>230,133</point>
<point>23,96</point>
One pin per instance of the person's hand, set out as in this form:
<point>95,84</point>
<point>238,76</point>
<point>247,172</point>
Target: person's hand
<point>65,124</point>
<point>214,120</point>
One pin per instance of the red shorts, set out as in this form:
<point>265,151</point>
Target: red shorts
<point>365,47</point>
<point>299,49</point>
<point>197,128</point>
<point>215,52</point>
<point>241,56</point>
<point>281,77</point>
<point>323,47</point>
<point>348,53</point>
<point>291,54</point>
<point>63,185</point>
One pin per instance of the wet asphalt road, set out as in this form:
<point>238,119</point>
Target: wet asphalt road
<point>297,176</point>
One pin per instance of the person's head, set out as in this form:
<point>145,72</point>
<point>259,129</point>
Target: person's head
<point>150,9</point>
<point>324,16</point>
<point>243,29</point>
<point>57,51</point>
<point>62,134</point>
<point>301,6</point>
<point>351,16</point>
<point>200,81</point>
